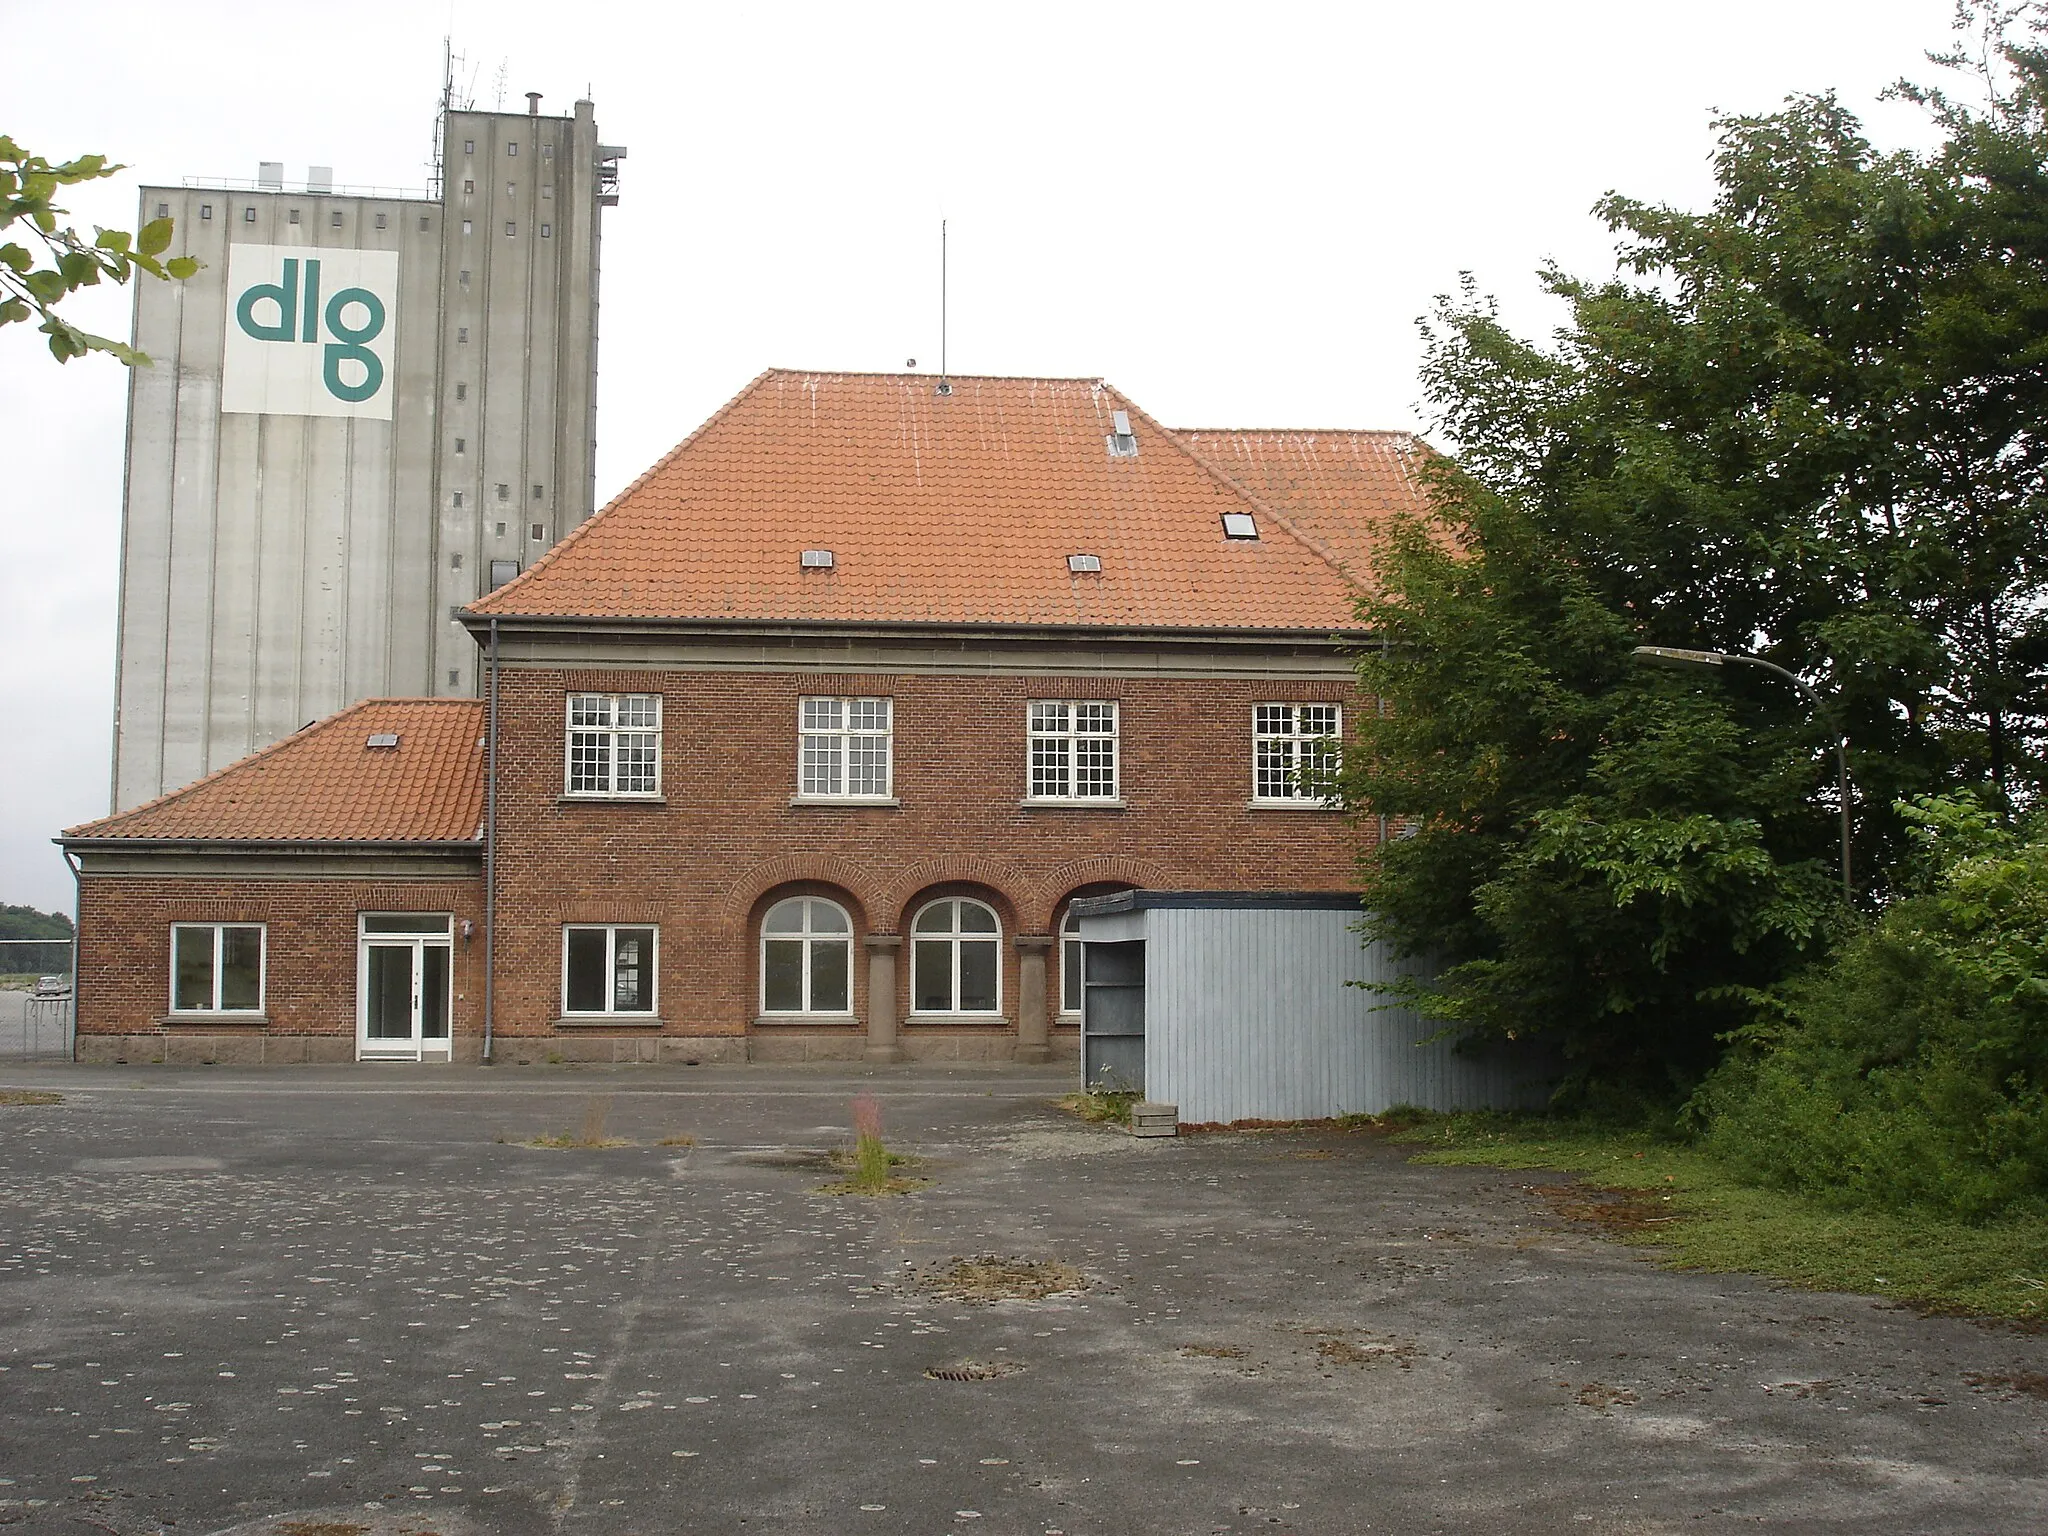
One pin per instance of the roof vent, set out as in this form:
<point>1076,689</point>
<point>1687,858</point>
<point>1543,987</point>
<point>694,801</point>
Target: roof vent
<point>1080,563</point>
<point>270,175</point>
<point>319,178</point>
<point>383,739</point>
<point>1239,525</point>
<point>1122,443</point>
<point>817,560</point>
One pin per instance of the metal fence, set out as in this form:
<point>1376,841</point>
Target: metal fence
<point>36,1014</point>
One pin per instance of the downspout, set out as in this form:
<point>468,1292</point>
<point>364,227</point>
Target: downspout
<point>490,854</point>
<point>1379,848</point>
<point>77,911</point>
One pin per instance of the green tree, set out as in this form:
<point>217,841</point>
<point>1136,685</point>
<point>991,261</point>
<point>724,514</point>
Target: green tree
<point>33,284</point>
<point>28,923</point>
<point>1805,424</point>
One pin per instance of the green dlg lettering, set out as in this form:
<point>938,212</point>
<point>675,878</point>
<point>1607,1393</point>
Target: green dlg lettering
<point>350,347</point>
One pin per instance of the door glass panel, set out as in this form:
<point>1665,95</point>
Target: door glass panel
<point>977,976</point>
<point>433,992</point>
<point>589,988</point>
<point>932,976</point>
<point>241,968</point>
<point>782,984</point>
<point>387,989</point>
<point>828,976</point>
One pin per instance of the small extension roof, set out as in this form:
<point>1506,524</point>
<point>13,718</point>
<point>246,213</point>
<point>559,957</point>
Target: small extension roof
<point>328,784</point>
<point>959,508</point>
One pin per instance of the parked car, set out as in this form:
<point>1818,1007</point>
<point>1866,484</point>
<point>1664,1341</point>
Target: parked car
<point>52,986</point>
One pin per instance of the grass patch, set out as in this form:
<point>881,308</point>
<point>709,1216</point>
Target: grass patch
<point>1647,1191</point>
<point>1101,1108</point>
<point>596,1110</point>
<point>22,1098</point>
<point>870,1166</point>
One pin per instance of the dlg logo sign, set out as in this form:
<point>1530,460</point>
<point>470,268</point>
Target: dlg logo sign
<point>309,331</point>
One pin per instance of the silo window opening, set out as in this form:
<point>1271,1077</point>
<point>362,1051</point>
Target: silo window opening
<point>248,215</point>
<point>501,530</point>
<point>512,148</point>
<point>206,210</point>
<point>547,231</point>
<point>467,227</point>
<point>462,277</point>
<point>455,561</point>
<point>334,218</point>
<point>458,499</point>
<point>381,220</point>
<point>536,493</point>
<point>468,187</point>
<point>163,210</point>
<point>292,217</point>
<point>461,335</point>
<point>504,491</point>
<point>454,677</point>
<point>511,189</point>
<point>462,391</point>
<point>469,146</point>
<point>547,189</point>
<point>511,228</point>
<point>540,533</point>
<point>423,221</point>
<point>462,445</point>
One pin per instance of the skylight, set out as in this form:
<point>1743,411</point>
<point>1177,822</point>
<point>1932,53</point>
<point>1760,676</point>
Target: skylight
<point>1122,443</point>
<point>1079,563</point>
<point>383,739</point>
<point>1239,525</point>
<point>817,560</point>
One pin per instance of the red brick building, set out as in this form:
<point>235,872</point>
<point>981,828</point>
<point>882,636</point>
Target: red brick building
<point>802,747</point>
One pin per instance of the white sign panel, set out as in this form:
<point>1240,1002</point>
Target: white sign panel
<point>309,331</point>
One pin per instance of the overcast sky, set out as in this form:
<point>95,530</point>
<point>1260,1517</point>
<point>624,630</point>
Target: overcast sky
<point>1234,213</point>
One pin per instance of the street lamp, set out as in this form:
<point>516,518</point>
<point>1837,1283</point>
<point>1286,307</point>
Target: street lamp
<point>1709,661</point>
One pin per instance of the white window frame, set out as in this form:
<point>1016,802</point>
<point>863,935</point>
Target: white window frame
<point>1293,743</point>
<point>1070,934</point>
<point>652,968</point>
<point>1043,736</point>
<point>954,938</point>
<point>826,746</point>
<point>609,731</point>
<point>807,938</point>
<point>219,930</point>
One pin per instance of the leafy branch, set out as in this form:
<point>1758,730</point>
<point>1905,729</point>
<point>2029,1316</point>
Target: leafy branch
<point>33,283</point>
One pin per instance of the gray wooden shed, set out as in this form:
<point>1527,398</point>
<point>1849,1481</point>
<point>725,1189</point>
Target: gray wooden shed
<point>1268,1005</point>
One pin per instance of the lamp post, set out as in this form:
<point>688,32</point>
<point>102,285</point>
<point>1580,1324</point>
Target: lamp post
<point>1711,661</point>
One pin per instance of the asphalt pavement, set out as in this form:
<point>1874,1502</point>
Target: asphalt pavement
<point>359,1301</point>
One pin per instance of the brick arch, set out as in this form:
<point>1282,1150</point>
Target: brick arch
<point>1054,888</point>
<point>745,893</point>
<point>1006,880</point>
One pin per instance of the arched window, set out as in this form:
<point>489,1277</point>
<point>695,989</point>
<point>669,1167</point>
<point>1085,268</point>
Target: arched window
<point>956,958</point>
<point>1070,963</point>
<point>806,957</point>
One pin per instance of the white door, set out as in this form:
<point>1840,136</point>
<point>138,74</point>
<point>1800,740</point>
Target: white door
<point>402,980</point>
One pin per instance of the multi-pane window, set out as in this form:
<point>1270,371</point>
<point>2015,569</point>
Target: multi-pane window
<point>614,744</point>
<point>844,748</point>
<point>607,970</point>
<point>217,968</point>
<point>806,957</point>
<point>955,958</point>
<point>1294,751</point>
<point>1073,749</point>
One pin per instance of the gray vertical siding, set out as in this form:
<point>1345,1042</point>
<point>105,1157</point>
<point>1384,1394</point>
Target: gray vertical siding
<point>1249,1015</point>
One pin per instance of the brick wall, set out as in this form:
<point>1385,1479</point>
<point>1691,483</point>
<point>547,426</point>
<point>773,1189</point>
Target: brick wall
<point>310,949</point>
<point>705,865</point>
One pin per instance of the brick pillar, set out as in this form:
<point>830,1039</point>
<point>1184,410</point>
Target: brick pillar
<point>882,1043</point>
<point>1033,1024</point>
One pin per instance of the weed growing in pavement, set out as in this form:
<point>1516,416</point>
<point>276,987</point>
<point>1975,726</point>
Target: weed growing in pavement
<point>18,1098</point>
<point>870,1166</point>
<point>1700,1215</point>
<point>1101,1106</point>
<point>595,1111</point>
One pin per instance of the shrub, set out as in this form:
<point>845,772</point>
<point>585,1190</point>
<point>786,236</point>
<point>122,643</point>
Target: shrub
<point>1914,1067</point>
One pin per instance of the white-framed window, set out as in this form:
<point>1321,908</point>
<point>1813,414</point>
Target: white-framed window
<point>1070,964</point>
<point>1294,749</point>
<point>1073,749</point>
<point>845,749</point>
<point>806,957</point>
<point>956,958</point>
<point>217,967</point>
<point>614,745</point>
<point>608,968</point>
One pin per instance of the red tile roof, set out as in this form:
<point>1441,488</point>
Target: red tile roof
<point>954,509</point>
<point>327,784</point>
<point>1337,488</point>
